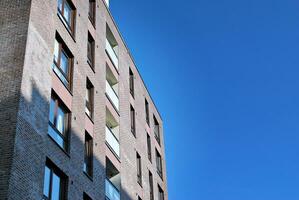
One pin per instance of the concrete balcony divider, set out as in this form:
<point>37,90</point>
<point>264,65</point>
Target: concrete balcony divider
<point>112,95</point>
<point>112,141</point>
<point>111,192</point>
<point>112,54</point>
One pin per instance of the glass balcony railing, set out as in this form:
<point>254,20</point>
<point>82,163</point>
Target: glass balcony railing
<point>112,54</point>
<point>112,95</point>
<point>111,191</point>
<point>112,141</point>
<point>107,2</point>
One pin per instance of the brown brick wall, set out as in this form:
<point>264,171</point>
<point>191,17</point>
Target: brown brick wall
<point>32,143</point>
<point>14,18</point>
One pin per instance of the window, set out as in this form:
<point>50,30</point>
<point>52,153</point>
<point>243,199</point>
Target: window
<point>88,155</point>
<point>149,147</point>
<point>132,114</point>
<point>157,130</point>
<point>90,51</point>
<point>151,185</point>
<point>161,193</point>
<point>147,112</point>
<point>66,11</point>
<point>92,11</point>
<point>159,163</point>
<point>89,99</point>
<point>139,171</point>
<point>54,183</point>
<point>86,197</point>
<point>58,122</point>
<point>63,61</point>
<point>131,82</point>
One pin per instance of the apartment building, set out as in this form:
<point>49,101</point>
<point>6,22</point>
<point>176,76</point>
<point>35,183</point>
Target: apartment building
<point>76,120</point>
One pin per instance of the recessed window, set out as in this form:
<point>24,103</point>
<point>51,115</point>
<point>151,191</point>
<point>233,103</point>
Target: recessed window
<point>66,11</point>
<point>161,193</point>
<point>86,197</point>
<point>92,11</point>
<point>151,185</point>
<point>147,112</point>
<point>131,82</point>
<point>132,115</point>
<point>58,122</point>
<point>90,51</point>
<point>89,96</point>
<point>139,169</point>
<point>55,183</point>
<point>159,163</point>
<point>149,147</point>
<point>63,61</point>
<point>157,130</point>
<point>88,155</point>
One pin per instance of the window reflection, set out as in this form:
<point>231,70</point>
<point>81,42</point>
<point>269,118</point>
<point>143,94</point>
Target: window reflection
<point>47,182</point>
<point>54,183</point>
<point>58,122</point>
<point>55,187</point>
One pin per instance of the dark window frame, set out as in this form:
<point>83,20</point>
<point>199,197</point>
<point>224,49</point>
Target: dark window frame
<point>88,155</point>
<point>131,82</point>
<point>147,112</point>
<point>91,51</point>
<point>67,119</point>
<point>63,180</point>
<point>70,27</point>
<point>86,197</point>
<point>139,169</point>
<point>159,164</point>
<point>92,12</point>
<point>151,185</point>
<point>149,147</point>
<point>160,193</point>
<point>157,130</point>
<point>133,120</point>
<point>63,49</point>
<point>89,103</point>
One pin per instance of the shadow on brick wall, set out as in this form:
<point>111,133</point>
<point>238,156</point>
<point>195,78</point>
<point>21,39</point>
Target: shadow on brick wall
<point>33,146</point>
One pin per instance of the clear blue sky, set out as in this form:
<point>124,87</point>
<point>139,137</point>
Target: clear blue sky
<point>225,76</point>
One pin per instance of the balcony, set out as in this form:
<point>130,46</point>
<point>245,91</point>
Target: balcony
<point>112,182</point>
<point>111,47</point>
<point>107,2</point>
<point>112,141</point>
<point>111,191</point>
<point>112,95</point>
<point>112,54</point>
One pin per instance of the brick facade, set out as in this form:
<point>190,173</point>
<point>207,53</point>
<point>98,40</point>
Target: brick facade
<point>27,79</point>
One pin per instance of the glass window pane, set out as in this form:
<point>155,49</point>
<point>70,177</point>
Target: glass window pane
<point>47,182</point>
<point>56,51</point>
<point>58,139</point>
<point>52,110</point>
<point>59,5</point>
<point>87,95</point>
<point>56,187</point>
<point>60,120</point>
<point>67,13</point>
<point>64,63</point>
<point>89,50</point>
